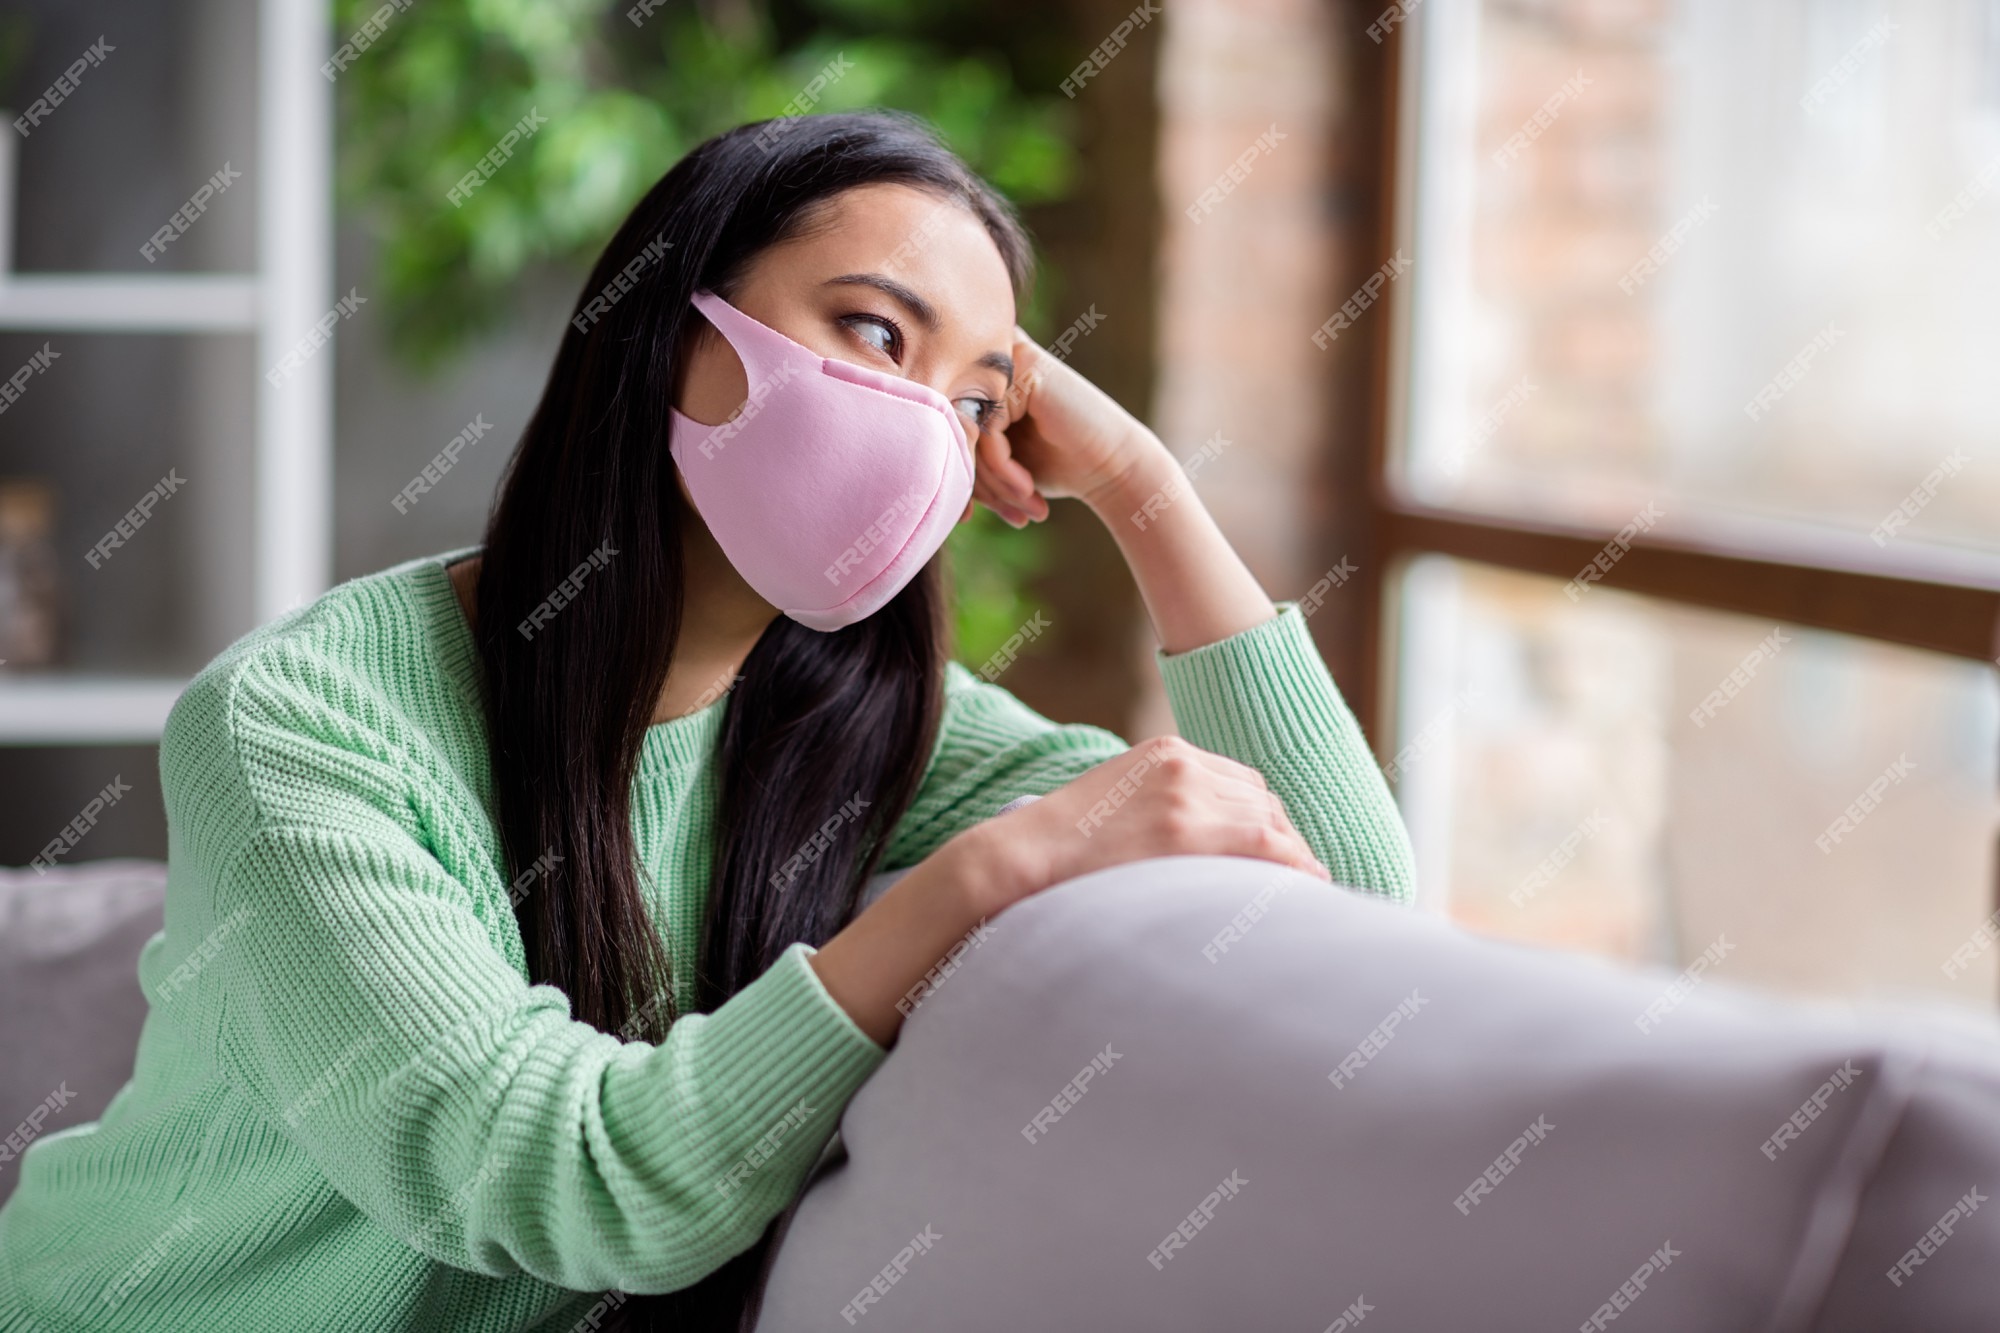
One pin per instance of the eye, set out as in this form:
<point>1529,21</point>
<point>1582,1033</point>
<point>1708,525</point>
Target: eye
<point>982,412</point>
<point>879,332</point>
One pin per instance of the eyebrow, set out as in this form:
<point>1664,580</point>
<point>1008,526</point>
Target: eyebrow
<point>923,311</point>
<point>1001,362</point>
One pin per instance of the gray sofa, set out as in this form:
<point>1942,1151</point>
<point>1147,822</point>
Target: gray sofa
<point>70,1004</point>
<point>1194,1093</point>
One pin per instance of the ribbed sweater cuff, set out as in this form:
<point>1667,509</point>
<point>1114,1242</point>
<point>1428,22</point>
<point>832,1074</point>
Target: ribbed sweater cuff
<point>1295,705</point>
<point>790,1029</point>
<point>780,1042</point>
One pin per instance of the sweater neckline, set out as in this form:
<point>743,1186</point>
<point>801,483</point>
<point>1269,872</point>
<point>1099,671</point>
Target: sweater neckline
<point>678,743</point>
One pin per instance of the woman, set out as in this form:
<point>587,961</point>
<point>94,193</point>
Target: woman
<point>508,956</point>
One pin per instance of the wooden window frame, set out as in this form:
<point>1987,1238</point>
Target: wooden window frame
<point>1771,570</point>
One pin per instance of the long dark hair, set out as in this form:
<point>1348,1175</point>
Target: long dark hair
<point>816,719</point>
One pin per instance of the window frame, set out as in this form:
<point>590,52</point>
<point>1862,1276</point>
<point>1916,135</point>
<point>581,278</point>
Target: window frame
<point>1927,598</point>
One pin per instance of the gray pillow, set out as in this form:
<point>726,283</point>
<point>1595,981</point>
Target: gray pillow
<point>1204,1092</point>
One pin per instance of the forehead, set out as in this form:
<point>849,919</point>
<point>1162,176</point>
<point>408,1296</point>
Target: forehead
<point>932,244</point>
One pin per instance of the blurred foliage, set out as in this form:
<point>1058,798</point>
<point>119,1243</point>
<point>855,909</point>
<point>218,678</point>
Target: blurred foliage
<point>989,565</point>
<point>17,36</point>
<point>625,91</point>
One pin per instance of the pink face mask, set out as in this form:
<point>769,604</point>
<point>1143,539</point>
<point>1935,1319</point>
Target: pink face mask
<point>834,483</point>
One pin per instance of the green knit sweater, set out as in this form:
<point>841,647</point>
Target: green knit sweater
<point>350,1110</point>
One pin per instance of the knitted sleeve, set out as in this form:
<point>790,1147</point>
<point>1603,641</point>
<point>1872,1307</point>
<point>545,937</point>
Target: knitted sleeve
<point>362,1004</point>
<point>1262,696</point>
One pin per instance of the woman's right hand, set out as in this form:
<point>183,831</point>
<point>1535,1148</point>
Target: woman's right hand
<point>1163,797</point>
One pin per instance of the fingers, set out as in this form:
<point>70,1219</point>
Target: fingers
<point>1162,748</point>
<point>1030,364</point>
<point>1002,484</point>
<point>1009,515</point>
<point>1269,844</point>
<point>996,459</point>
<point>1183,800</point>
<point>1304,857</point>
<point>1257,825</point>
<point>1266,806</point>
<point>1020,391</point>
<point>1241,815</point>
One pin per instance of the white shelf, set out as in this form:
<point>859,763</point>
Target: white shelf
<point>289,516</point>
<point>129,303</point>
<point>85,710</point>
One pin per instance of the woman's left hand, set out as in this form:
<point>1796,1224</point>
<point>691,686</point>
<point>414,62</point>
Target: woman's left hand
<point>1064,436</point>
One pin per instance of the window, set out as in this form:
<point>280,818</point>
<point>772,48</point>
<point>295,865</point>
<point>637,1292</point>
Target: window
<point>1686,500</point>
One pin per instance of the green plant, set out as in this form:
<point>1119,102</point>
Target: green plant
<point>17,38</point>
<point>622,92</point>
<point>990,565</point>
<point>622,102</point>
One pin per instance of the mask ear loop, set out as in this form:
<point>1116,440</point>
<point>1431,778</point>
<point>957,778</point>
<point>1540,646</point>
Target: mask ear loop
<point>755,343</point>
